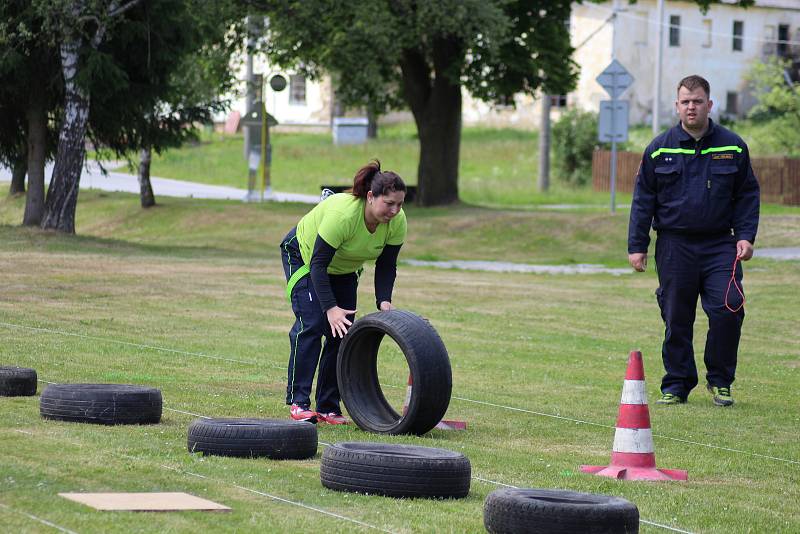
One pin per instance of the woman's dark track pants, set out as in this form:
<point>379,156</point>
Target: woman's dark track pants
<point>305,337</point>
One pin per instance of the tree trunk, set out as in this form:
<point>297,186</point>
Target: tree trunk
<point>37,151</point>
<point>439,145</point>
<point>372,125</point>
<point>62,194</point>
<point>146,196</point>
<point>18,173</point>
<point>435,102</point>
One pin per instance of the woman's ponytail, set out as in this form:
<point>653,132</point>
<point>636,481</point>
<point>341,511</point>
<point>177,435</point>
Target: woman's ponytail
<point>371,178</point>
<point>363,179</point>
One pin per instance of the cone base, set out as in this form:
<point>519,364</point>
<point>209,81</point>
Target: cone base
<point>635,473</point>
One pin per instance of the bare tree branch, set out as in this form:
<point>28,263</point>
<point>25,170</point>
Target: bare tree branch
<point>114,11</point>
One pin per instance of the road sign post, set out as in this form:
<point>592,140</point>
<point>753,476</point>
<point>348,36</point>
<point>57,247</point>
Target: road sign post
<point>613,120</point>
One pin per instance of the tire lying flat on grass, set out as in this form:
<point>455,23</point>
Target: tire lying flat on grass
<point>274,438</point>
<point>395,470</point>
<point>17,381</point>
<point>103,404</point>
<point>512,510</point>
<point>428,363</point>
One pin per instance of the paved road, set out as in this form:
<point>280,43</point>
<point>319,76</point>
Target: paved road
<point>92,178</point>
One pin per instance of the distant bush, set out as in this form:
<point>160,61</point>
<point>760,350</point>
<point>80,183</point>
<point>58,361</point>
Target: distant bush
<point>574,140</point>
<point>778,105</point>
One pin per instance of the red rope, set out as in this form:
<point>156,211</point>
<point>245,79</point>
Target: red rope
<point>735,284</point>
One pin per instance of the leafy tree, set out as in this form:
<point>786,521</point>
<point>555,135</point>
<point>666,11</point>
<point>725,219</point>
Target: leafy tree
<point>30,92</point>
<point>176,84</point>
<point>130,74</point>
<point>778,101</point>
<point>393,53</point>
<point>81,27</point>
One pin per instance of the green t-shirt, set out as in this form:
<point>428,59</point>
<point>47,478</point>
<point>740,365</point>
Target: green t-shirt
<point>339,220</point>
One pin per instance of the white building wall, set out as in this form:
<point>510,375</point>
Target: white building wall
<point>593,34</point>
<point>637,39</point>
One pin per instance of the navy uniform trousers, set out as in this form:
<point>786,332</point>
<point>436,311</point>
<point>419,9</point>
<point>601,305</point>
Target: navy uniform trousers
<point>311,325</point>
<point>689,266</point>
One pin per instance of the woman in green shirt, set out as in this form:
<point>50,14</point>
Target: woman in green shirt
<point>322,258</point>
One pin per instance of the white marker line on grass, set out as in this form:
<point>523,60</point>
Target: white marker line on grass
<point>553,416</point>
<point>187,413</point>
<point>39,519</point>
<point>494,482</point>
<point>129,344</point>
<point>659,525</point>
<point>680,440</point>
<point>279,499</point>
<point>243,488</point>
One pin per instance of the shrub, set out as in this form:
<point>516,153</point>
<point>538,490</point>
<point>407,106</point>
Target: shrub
<point>574,140</point>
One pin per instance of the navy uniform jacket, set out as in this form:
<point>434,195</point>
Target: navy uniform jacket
<point>704,187</point>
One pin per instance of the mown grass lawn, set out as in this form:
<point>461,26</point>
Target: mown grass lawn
<point>189,297</point>
<point>498,167</point>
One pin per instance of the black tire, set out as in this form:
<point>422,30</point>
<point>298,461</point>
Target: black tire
<point>357,372</point>
<point>395,470</point>
<point>17,381</point>
<point>514,510</point>
<point>278,439</point>
<point>102,404</point>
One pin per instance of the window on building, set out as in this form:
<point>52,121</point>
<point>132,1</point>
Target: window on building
<point>738,33</point>
<point>732,103</point>
<point>783,38</point>
<point>297,89</point>
<point>558,101</point>
<point>707,33</point>
<point>674,30</point>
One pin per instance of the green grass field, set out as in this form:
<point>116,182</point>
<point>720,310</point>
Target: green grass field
<point>189,297</point>
<point>498,167</point>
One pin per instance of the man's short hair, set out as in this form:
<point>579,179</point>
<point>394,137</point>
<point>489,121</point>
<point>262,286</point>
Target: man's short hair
<point>693,82</point>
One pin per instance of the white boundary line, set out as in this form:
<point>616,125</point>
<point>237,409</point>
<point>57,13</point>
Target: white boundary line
<point>680,440</point>
<point>137,345</point>
<point>474,477</point>
<point>553,416</point>
<point>275,366</point>
<point>39,519</point>
<point>218,481</point>
<point>280,499</point>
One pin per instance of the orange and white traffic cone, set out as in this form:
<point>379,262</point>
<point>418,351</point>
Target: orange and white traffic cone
<point>441,425</point>
<point>633,456</point>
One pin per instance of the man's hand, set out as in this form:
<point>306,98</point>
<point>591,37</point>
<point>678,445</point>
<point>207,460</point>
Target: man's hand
<point>386,305</point>
<point>638,261</point>
<point>337,318</point>
<point>744,249</point>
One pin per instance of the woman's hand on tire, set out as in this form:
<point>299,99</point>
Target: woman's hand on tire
<point>337,318</point>
<point>386,305</point>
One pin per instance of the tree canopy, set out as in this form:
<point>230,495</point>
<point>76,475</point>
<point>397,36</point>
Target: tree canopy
<point>402,53</point>
<point>386,54</point>
<point>130,74</point>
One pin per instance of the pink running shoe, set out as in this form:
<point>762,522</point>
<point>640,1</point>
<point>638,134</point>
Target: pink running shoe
<point>333,418</point>
<point>300,413</point>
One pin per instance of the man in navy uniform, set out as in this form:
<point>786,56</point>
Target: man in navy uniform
<point>696,188</point>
